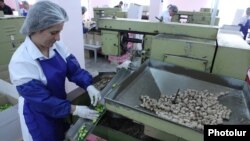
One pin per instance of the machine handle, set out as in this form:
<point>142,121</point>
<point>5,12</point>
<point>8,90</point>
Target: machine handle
<point>175,98</point>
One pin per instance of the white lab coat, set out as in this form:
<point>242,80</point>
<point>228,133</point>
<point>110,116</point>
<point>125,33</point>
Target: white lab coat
<point>244,19</point>
<point>23,11</point>
<point>25,57</point>
<point>166,17</point>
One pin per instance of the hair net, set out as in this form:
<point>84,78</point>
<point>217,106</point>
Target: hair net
<point>248,11</point>
<point>84,9</point>
<point>43,15</point>
<point>172,8</point>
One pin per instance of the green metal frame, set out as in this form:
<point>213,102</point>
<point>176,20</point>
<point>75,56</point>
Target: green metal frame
<point>157,134</point>
<point>209,51</point>
<point>110,42</point>
<point>154,28</point>
<point>108,12</point>
<point>10,38</point>
<point>232,57</point>
<point>203,16</point>
<point>188,52</point>
<point>111,134</point>
<point>161,125</point>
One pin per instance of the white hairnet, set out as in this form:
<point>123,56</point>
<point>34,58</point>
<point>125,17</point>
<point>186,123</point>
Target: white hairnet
<point>172,8</point>
<point>84,9</point>
<point>248,11</point>
<point>43,15</point>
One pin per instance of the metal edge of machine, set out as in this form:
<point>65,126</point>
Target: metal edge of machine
<point>190,134</point>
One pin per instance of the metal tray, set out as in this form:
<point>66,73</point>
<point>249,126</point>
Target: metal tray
<point>72,133</point>
<point>154,78</point>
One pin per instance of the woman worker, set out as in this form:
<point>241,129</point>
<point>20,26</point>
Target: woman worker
<point>245,23</point>
<point>167,15</point>
<point>38,69</point>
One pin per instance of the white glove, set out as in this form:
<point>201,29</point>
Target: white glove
<point>94,94</point>
<point>85,112</point>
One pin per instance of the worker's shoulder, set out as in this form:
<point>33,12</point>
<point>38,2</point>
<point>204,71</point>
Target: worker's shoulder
<point>20,52</point>
<point>21,59</point>
<point>62,49</point>
<point>164,13</point>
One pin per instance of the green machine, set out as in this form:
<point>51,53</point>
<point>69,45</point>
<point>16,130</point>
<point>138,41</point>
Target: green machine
<point>156,79</point>
<point>108,12</point>
<point>9,41</point>
<point>206,52</point>
<point>200,47</point>
<point>203,16</point>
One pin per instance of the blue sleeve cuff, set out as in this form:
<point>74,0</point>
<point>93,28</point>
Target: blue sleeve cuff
<point>39,99</point>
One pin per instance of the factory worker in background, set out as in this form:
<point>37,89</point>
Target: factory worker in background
<point>119,5</point>
<point>38,69</point>
<point>245,23</point>
<point>84,28</point>
<point>5,8</point>
<point>91,26</point>
<point>167,15</point>
<point>25,8</point>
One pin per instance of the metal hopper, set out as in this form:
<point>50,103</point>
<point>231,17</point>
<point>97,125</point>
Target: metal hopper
<point>155,78</point>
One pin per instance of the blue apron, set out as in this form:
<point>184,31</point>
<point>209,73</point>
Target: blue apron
<point>47,128</point>
<point>244,29</point>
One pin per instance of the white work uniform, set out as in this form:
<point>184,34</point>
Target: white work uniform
<point>166,16</point>
<point>244,19</point>
<point>26,57</point>
<point>23,12</point>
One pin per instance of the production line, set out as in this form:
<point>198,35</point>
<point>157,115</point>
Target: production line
<point>174,58</point>
<point>200,47</point>
<point>155,78</point>
<point>197,47</point>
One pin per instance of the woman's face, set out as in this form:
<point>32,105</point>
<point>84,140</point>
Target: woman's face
<point>46,38</point>
<point>171,13</point>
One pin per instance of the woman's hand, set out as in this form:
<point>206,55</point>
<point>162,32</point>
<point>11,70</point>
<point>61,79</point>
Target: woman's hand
<point>94,94</point>
<point>85,112</point>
